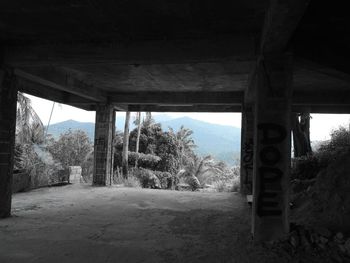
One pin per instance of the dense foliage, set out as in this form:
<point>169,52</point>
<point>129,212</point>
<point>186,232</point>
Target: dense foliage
<point>156,158</point>
<point>165,159</point>
<point>71,148</point>
<point>320,185</point>
<point>155,144</point>
<point>33,163</point>
<point>307,167</point>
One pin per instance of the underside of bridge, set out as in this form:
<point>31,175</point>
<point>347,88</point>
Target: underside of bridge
<point>263,58</point>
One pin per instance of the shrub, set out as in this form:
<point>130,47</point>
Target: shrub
<point>305,167</point>
<point>219,186</point>
<point>143,160</point>
<point>147,178</point>
<point>167,180</point>
<point>236,184</point>
<point>231,185</point>
<point>87,167</point>
<point>131,181</point>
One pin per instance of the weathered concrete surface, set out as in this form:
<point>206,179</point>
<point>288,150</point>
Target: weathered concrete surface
<point>8,102</point>
<point>272,148</point>
<point>87,224</point>
<point>103,145</point>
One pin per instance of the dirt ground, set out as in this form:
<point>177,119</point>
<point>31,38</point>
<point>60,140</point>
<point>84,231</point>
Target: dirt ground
<point>112,224</point>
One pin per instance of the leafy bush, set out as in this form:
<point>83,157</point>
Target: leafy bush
<point>236,184</point>
<point>143,160</point>
<point>229,185</point>
<point>71,149</point>
<point>147,178</point>
<point>87,167</point>
<point>220,186</point>
<point>307,167</point>
<point>131,181</point>
<point>167,180</point>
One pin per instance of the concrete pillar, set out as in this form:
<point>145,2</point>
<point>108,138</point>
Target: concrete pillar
<point>8,104</point>
<point>247,150</point>
<point>272,148</point>
<point>103,145</point>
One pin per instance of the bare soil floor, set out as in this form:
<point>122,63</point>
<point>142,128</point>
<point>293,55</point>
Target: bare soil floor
<point>112,224</point>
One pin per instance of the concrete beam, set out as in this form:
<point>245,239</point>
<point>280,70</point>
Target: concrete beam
<point>331,109</point>
<point>64,80</point>
<point>135,53</point>
<point>177,98</point>
<point>8,104</point>
<point>321,98</point>
<point>281,20</point>
<point>103,145</point>
<point>327,71</point>
<point>41,91</point>
<point>181,108</point>
<point>272,149</point>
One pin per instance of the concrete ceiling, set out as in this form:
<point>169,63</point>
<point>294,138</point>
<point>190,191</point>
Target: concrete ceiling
<point>171,55</point>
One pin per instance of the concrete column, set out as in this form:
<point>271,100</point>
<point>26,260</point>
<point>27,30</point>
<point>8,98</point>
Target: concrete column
<point>8,104</point>
<point>272,148</point>
<point>247,150</point>
<point>103,145</point>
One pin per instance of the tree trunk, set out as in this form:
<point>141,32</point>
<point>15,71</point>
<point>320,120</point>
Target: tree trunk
<point>301,134</point>
<point>138,135</point>
<point>126,145</point>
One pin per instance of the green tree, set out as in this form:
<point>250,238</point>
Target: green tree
<point>126,145</point>
<point>154,141</point>
<point>29,128</point>
<point>29,132</point>
<point>185,144</point>
<point>71,149</point>
<point>206,169</point>
<point>138,123</point>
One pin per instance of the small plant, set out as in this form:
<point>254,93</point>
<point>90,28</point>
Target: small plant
<point>220,186</point>
<point>236,184</point>
<point>147,178</point>
<point>167,180</point>
<point>131,181</point>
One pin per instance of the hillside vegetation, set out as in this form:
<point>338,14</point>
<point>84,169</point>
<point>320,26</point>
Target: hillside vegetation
<point>220,141</point>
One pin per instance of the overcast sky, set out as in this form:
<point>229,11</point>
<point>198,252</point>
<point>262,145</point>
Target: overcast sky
<point>321,124</point>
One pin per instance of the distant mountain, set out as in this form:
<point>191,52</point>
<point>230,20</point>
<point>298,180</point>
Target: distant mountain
<point>61,127</point>
<point>220,141</point>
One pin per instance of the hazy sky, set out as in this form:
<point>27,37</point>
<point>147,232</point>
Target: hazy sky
<point>321,124</point>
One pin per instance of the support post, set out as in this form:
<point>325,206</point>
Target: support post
<point>8,104</point>
<point>247,150</point>
<point>103,145</point>
<point>272,149</point>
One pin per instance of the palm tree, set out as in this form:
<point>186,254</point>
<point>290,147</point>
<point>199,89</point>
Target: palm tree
<point>29,128</point>
<point>199,166</point>
<point>138,123</point>
<point>148,120</point>
<point>126,145</point>
<point>184,142</point>
<point>29,131</point>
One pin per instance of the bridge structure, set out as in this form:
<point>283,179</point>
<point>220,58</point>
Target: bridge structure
<point>266,59</point>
